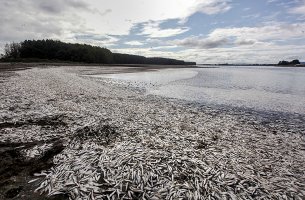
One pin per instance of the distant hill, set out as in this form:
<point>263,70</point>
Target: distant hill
<point>50,50</point>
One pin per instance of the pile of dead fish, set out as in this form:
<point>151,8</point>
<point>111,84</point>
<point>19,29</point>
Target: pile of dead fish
<point>130,171</point>
<point>91,168</point>
<point>120,144</point>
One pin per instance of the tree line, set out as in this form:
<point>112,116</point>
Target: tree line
<point>56,50</point>
<point>293,62</point>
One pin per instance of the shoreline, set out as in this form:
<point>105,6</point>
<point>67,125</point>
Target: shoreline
<point>102,134</point>
<point>96,68</point>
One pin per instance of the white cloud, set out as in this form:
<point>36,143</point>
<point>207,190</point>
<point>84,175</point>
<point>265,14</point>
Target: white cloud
<point>273,31</point>
<point>240,41</point>
<point>134,43</point>
<point>272,1</point>
<point>201,42</point>
<point>92,38</point>
<point>165,47</point>
<point>57,19</point>
<point>242,36</point>
<point>289,4</point>
<point>264,44</point>
<point>30,20</point>
<point>300,9</point>
<point>153,30</point>
<point>212,7</point>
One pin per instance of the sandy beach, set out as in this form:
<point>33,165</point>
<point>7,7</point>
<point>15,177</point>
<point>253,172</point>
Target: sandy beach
<point>66,135</point>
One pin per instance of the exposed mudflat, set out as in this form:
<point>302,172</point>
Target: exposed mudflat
<point>64,135</point>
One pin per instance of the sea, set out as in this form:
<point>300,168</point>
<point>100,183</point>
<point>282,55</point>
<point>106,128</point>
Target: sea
<point>260,88</point>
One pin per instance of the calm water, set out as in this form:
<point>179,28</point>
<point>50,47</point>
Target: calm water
<point>259,88</point>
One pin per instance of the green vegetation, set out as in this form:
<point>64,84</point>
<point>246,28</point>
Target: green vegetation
<point>53,50</point>
<point>284,62</point>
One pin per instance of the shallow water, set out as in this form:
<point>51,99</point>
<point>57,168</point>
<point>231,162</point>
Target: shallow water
<point>259,88</point>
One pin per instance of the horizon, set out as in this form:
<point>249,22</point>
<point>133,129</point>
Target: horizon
<point>203,31</point>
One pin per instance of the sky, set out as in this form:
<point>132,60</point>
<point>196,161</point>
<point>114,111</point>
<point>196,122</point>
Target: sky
<point>205,31</point>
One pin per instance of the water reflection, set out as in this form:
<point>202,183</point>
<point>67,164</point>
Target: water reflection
<point>260,88</point>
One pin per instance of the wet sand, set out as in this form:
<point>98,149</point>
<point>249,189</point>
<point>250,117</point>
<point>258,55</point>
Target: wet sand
<point>74,136</point>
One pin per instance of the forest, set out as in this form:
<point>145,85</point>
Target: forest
<point>54,50</point>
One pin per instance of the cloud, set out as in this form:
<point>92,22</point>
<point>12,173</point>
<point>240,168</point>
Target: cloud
<point>165,47</point>
<point>60,19</point>
<point>57,6</point>
<point>213,7</point>
<point>272,1</point>
<point>202,43</point>
<point>153,30</point>
<point>92,38</point>
<point>26,20</point>
<point>134,43</point>
<point>299,10</point>
<point>290,3</point>
<point>241,36</point>
<point>245,42</point>
<point>273,31</point>
<point>107,11</point>
<point>253,16</point>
